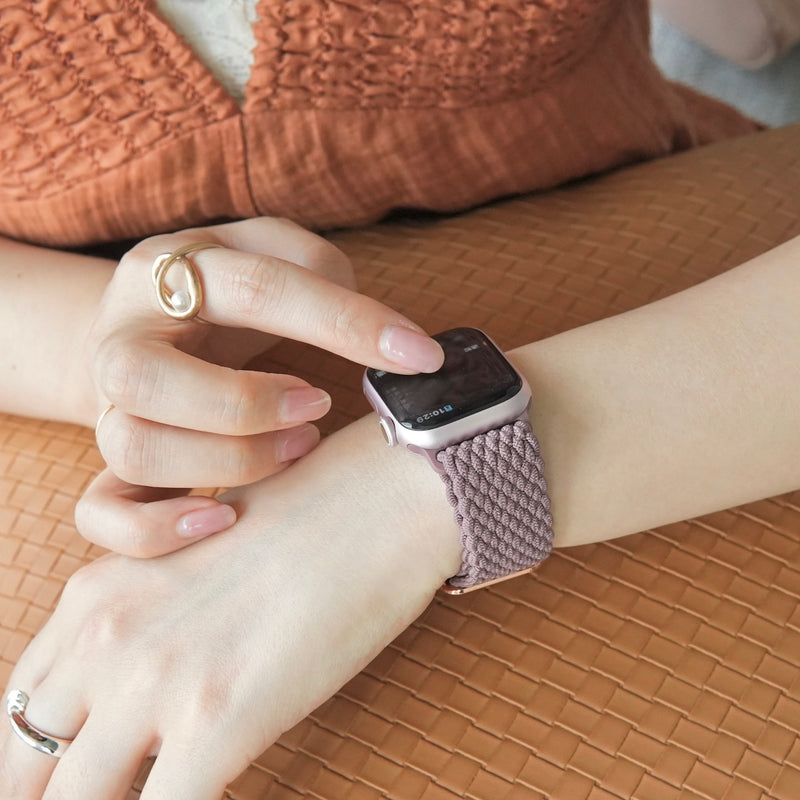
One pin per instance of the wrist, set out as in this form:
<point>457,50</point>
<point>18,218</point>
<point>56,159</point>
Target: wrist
<point>406,498</point>
<point>48,299</point>
<point>388,525</point>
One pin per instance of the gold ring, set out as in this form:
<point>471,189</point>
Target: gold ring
<point>185,303</point>
<point>101,418</point>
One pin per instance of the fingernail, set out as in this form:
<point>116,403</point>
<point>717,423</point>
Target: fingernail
<point>302,405</point>
<point>411,349</point>
<point>205,521</point>
<point>296,442</point>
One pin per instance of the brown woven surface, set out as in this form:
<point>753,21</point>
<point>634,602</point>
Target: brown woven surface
<point>662,665</point>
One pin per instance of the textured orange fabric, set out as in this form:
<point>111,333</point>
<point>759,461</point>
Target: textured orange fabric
<point>112,128</point>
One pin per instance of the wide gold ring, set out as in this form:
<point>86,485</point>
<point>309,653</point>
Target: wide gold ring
<point>185,303</point>
<point>16,703</point>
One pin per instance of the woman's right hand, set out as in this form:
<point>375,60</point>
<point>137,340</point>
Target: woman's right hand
<point>184,413</point>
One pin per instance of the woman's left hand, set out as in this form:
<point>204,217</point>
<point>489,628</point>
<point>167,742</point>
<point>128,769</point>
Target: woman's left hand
<point>205,656</point>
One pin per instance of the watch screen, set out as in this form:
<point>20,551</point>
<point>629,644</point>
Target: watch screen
<point>475,375</point>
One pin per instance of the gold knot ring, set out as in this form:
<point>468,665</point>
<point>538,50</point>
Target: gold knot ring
<point>185,303</point>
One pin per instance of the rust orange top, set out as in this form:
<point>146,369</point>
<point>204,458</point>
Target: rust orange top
<point>112,128</point>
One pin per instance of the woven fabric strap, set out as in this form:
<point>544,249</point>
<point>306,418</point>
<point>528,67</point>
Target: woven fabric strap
<point>495,482</point>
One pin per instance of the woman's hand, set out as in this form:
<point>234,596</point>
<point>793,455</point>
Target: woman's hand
<point>206,655</point>
<point>184,413</point>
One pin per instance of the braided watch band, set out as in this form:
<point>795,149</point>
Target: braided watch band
<point>495,482</point>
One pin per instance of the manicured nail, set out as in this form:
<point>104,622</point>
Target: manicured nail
<point>205,521</point>
<point>302,405</point>
<point>296,442</point>
<point>410,349</point>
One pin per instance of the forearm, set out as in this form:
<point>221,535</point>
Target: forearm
<point>48,299</point>
<point>679,408</point>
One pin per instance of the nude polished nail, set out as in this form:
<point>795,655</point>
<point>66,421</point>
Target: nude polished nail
<point>410,349</point>
<point>205,521</point>
<point>303,404</point>
<point>296,442</point>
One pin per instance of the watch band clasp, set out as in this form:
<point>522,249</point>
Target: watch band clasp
<point>459,590</point>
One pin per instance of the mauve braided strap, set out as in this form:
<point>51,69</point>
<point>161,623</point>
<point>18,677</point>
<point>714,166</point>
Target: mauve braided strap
<point>495,482</point>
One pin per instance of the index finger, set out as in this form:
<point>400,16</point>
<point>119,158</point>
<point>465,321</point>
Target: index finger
<point>274,276</point>
<point>266,293</point>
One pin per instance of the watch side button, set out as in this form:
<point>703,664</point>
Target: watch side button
<point>387,429</point>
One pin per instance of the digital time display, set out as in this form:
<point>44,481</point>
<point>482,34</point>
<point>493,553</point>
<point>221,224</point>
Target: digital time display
<point>475,375</point>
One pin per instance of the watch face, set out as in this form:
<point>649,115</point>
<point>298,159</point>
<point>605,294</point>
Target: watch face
<point>474,376</point>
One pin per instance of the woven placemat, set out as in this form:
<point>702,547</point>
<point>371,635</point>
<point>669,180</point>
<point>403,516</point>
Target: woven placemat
<point>662,665</point>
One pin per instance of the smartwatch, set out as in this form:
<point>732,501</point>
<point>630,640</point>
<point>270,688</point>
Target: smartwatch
<point>470,420</point>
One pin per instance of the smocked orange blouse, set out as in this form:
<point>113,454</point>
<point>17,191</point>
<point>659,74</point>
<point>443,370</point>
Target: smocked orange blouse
<point>112,128</point>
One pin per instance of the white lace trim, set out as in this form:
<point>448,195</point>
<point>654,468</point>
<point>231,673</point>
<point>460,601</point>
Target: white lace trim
<point>221,34</point>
